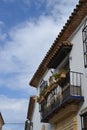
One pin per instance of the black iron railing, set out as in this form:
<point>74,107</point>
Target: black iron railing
<point>67,93</point>
<point>43,85</point>
<point>73,84</point>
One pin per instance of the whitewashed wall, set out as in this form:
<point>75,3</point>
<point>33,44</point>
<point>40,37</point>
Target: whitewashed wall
<point>36,118</point>
<point>77,64</point>
<point>37,125</point>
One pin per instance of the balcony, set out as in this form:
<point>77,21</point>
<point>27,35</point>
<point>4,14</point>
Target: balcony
<point>65,91</point>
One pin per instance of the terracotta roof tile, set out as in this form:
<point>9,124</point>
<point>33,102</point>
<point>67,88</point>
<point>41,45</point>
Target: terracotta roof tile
<point>72,23</point>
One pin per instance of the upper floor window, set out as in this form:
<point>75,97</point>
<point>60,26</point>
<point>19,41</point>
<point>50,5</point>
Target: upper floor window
<point>84,34</point>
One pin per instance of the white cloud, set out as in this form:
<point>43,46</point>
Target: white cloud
<point>61,10</point>
<point>28,44</point>
<point>21,55</point>
<point>15,104</point>
<point>13,111</point>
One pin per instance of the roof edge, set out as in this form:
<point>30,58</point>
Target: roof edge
<point>72,23</point>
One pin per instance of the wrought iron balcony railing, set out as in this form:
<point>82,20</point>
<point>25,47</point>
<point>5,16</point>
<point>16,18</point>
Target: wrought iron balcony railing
<point>43,85</point>
<point>68,92</point>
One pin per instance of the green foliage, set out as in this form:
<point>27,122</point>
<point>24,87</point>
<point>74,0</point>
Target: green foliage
<point>57,75</point>
<point>52,79</point>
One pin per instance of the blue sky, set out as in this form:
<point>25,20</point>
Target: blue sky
<point>27,30</point>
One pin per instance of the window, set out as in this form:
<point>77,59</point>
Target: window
<point>84,121</point>
<point>84,34</point>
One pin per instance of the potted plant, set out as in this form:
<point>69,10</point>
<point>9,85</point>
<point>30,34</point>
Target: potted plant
<point>57,76</point>
<point>51,79</point>
<point>63,73</point>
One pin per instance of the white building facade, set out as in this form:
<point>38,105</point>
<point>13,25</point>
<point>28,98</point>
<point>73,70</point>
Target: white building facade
<point>61,78</point>
<point>33,121</point>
